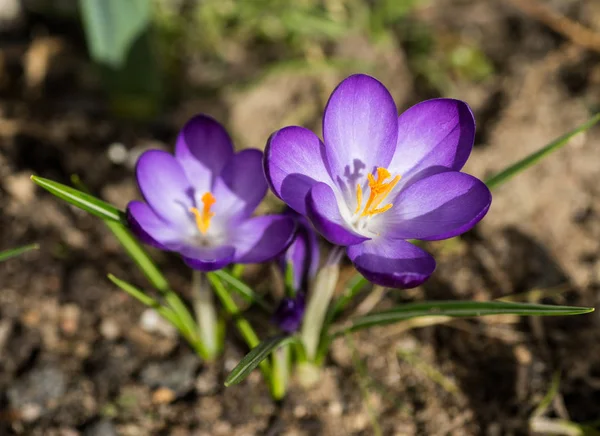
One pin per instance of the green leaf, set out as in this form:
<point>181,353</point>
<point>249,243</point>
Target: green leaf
<point>354,286</point>
<point>84,201</point>
<point>255,357</point>
<point>242,289</point>
<point>112,26</point>
<point>14,252</point>
<point>147,300</point>
<point>139,255</point>
<point>513,170</point>
<point>457,309</point>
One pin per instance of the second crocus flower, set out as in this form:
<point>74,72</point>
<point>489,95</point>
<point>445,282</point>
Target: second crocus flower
<point>199,201</point>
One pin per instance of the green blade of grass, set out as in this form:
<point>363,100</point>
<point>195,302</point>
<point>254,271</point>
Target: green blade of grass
<point>254,358</point>
<point>508,173</point>
<point>14,252</point>
<point>82,200</point>
<point>457,309</point>
<point>147,300</point>
<point>242,289</point>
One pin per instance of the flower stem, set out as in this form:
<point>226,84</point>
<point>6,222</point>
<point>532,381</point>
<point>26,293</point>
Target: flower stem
<point>242,324</point>
<point>206,314</point>
<point>318,303</point>
<point>281,372</point>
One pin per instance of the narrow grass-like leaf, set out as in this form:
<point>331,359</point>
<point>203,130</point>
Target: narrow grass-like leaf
<point>158,280</point>
<point>147,300</point>
<point>82,200</point>
<point>355,285</point>
<point>137,253</point>
<point>168,313</point>
<point>513,170</point>
<point>457,309</point>
<point>141,257</point>
<point>242,289</point>
<point>14,252</point>
<point>255,357</point>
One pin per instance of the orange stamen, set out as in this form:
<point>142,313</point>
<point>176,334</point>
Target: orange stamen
<point>379,192</point>
<point>203,218</point>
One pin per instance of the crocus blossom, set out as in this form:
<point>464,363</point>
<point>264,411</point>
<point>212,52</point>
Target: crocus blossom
<point>377,180</point>
<point>199,202</point>
<point>301,259</point>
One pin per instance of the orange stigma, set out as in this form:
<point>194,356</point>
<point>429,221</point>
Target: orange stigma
<point>379,192</point>
<point>203,218</point>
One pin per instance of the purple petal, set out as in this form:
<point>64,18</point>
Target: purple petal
<point>437,207</point>
<point>438,132</point>
<point>203,148</point>
<point>261,238</point>
<point>294,162</point>
<point>392,263</point>
<point>241,186</point>
<point>164,186</point>
<point>149,228</point>
<point>303,253</point>
<point>289,314</point>
<point>323,211</point>
<point>207,258</point>
<point>360,128</point>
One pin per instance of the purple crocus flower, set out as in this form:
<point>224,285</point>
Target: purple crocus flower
<point>378,180</point>
<point>199,202</point>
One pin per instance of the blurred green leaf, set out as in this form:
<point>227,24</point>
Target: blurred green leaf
<point>255,357</point>
<point>14,252</point>
<point>523,164</point>
<point>112,26</point>
<point>354,286</point>
<point>118,34</point>
<point>137,253</point>
<point>147,300</point>
<point>84,201</point>
<point>241,288</point>
<point>457,309</point>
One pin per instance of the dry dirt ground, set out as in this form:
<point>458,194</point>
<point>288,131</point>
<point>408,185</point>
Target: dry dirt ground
<point>77,356</point>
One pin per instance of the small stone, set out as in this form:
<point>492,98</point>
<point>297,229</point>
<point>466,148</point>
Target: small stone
<point>230,363</point>
<point>300,411</point>
<point>37,391</point>
<point>336,408</point>
<point>207,381</point>
<point>31,412</point>
<point>360,422</point>
<point>69,322</point>
<point>152,322</point>
<point>222,428</point>
<point>176,375</point>
<point>109,329</point>
<point>163,396</point>
<point>117,153</point>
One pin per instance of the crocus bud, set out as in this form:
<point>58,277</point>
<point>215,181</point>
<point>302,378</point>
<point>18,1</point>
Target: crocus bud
<point>299,263</point>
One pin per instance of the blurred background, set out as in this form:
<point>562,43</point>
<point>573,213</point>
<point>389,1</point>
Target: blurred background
<point>87,86</point>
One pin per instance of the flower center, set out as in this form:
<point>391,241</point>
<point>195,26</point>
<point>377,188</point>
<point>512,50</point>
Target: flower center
<point>203,217</point>
<point>379,192</point>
